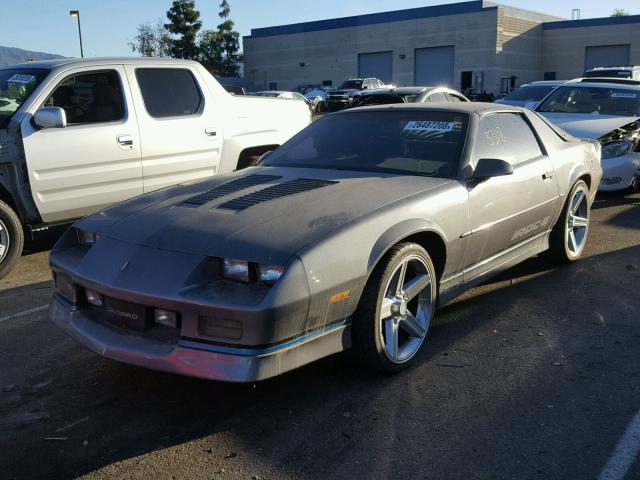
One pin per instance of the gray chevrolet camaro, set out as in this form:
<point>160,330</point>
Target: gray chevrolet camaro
<point>350,235</point>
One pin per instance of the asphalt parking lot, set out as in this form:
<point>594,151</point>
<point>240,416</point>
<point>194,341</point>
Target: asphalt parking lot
<point>534,375</point>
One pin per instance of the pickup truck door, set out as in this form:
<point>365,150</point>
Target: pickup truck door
<point>95,160</point>
<point>179,122</point>
<point>508,211</point>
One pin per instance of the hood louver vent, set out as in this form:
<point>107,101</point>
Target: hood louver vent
<point>271,193</point>
<point>227,188</point>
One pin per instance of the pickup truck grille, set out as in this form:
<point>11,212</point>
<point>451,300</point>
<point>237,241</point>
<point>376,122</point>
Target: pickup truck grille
<point>271,193</point>
<point>227,188</point>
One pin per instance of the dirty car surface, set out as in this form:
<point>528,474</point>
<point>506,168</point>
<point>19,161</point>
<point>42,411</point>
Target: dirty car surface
<point>349,235</point>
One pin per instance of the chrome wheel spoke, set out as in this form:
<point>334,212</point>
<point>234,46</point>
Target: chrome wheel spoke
<point>385,309</point>
<point>580,221</point>
<point>416,285</point>
<point>577,200</point>
<point>572,240</point>
<point>403,273</point>
<point>4,241</point>
<point>391,338</point>
<point>412,326</point>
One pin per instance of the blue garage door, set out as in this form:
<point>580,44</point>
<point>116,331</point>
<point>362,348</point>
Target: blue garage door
<point>607,56</point>
<point>378,65</point>
<point>434,66</point>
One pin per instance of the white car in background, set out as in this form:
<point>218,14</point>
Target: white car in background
<point>281,94</point>
<point>608,110</point>
<point>318,98</point>
<point>524,95</point>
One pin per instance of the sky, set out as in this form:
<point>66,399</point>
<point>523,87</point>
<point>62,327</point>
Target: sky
<point>108,25</point>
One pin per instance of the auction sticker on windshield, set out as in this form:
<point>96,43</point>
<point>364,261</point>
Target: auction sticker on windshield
<point>623,95</point>
<point>429,126</point>
<point>21,78</point>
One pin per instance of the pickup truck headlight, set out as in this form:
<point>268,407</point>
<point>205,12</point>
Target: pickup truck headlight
<point>85,238</point>
<point>616,149</point>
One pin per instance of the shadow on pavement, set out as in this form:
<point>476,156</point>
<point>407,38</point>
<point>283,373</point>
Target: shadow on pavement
<point>527,380</point>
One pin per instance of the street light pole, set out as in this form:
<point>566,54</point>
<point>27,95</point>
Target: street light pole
<point>76,13</point>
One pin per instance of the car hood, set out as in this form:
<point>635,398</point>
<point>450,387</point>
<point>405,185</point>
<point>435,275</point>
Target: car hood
<point>271,230</point>
<point>583,125</point>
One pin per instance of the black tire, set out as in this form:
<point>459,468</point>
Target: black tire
<point>11,237</point>
<point>366,334</point>
<point>559,246</point>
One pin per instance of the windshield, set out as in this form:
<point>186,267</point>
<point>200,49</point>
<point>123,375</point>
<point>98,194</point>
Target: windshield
<point>352,85</point>
<point>594,100</point>
<point>608,73</point>
<point>530,93</point>
<point>15,87</point>
<point>426,143</point>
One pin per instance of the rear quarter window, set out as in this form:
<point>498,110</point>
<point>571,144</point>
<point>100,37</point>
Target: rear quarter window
<point>169,92</point>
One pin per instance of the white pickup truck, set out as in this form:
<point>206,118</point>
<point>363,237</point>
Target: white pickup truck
<point>79,135</point>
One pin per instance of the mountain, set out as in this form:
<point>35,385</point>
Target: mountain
<point>10,56</point>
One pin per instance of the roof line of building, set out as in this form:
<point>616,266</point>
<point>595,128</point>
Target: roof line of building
<point>376,18</point>
<point>591,22</point>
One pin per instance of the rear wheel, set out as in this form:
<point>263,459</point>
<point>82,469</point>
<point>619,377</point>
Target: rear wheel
<point>396,309</point>
<point>569,236</point>
<point>11,239</point>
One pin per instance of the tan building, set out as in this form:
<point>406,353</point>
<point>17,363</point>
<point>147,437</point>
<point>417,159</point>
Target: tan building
<point>476,44</point>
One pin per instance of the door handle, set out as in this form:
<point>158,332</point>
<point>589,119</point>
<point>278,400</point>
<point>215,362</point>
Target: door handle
<point>547,176</point>
<point>126,140</point>
<point>210,132</point>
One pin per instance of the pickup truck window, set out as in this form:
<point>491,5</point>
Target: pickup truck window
<point>15,87</point>
<point>94,97</point>
<point>169,92</point>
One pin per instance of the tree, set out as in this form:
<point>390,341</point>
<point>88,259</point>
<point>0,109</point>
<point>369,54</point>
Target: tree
<point>230,42</point>
<point>210,48</point>
<point>184,23</point>
<point>151,40</point>
<point>619,12</point>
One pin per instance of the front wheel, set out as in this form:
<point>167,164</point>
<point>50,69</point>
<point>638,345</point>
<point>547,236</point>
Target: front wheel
<point>11,239</point>
<point>396,308</point>
<point>569,236</point>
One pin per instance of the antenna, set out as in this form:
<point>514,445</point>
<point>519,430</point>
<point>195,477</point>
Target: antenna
<point>575,14</point>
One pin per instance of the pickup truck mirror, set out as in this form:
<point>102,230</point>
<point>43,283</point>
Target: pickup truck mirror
<point>491,167</point>
<point>50,117</point>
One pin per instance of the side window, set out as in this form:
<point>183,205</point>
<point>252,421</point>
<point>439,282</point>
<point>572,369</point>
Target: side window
<point>169,92</point>
<point>94,97</point>
<point>438,97</point>
<point>506,136</point>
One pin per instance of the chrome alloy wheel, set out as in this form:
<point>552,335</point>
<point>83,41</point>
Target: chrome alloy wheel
<point>577,222</point>
<point>406,309</point>
<point>4,241</point>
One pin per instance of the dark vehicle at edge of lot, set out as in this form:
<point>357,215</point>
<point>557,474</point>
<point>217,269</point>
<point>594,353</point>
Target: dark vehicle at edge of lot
<point>349,90</point>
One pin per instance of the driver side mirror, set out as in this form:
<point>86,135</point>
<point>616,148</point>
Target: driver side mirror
<point>50,117</point>
<point>491,167</point>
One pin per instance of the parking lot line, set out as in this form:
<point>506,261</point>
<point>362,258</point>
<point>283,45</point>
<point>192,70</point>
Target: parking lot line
<point>625,454</point>
<point>24,312</point>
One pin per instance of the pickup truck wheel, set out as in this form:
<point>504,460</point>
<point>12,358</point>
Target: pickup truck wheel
<point>11,239</point>
<point>569,235</point>
<point>395,311</point>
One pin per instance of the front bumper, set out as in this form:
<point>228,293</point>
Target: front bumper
<point>619,173</point>
<point>197,359</point>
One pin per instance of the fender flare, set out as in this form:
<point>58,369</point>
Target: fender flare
<point>396,233</point>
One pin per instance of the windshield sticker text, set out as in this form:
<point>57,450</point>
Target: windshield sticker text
<point>623,95</point>
<point>429,126</point>
<point>21,78</point>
